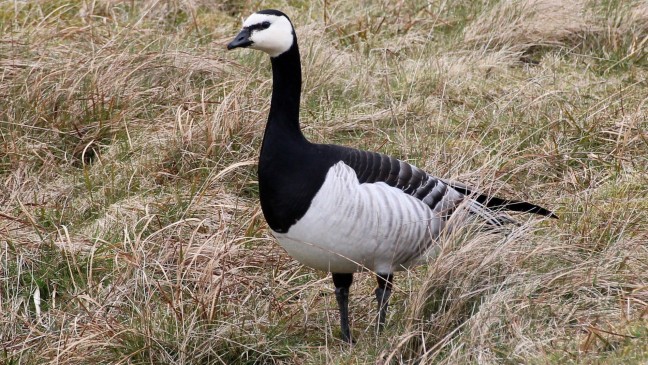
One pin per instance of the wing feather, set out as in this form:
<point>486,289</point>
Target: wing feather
<point>441,196</point>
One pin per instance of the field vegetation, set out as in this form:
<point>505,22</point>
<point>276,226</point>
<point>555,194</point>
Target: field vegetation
<point>130,229</point>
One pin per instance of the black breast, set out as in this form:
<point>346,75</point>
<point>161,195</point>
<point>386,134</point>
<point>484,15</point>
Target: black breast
<point>289,178</point>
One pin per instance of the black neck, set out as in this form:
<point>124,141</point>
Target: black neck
<point>286,92</point>
<point>289,174</point>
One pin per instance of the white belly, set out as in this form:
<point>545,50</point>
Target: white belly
<point>351,227</point>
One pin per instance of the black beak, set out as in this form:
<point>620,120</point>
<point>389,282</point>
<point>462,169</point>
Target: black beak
<point>241,40</point>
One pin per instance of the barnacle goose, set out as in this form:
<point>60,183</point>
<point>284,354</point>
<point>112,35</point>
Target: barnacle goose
<point>339,209</point>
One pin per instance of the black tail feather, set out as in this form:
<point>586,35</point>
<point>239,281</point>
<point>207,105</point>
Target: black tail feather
<point>499,203</point>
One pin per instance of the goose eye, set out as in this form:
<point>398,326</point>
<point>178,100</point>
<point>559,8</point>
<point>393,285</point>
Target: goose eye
<point>265,25</point>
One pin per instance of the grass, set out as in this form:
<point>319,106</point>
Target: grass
<point>130,230</point>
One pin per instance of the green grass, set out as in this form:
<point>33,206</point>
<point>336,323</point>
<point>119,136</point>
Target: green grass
<point>130,229</point>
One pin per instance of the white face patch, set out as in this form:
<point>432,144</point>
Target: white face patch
<point>274,40</point>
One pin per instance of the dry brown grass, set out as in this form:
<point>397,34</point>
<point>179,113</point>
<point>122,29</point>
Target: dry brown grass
<point>130,230</point>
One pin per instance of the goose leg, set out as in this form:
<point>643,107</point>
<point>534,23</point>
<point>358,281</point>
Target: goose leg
<point>383,292</point>
<point>342,284</point>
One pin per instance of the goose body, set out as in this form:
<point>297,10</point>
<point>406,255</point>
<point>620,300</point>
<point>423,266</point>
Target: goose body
<point>343,210</point>
<point>351,227</point>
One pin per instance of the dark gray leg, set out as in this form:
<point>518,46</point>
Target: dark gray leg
<point>342,284</point>
<point>383,292</point>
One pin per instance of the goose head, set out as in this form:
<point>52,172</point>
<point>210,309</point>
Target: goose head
<point>269,31</point>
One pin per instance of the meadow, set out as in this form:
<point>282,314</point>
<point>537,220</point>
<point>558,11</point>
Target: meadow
<point>130,228</point>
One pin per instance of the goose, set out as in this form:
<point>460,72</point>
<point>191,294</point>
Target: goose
<point>342,210</point>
